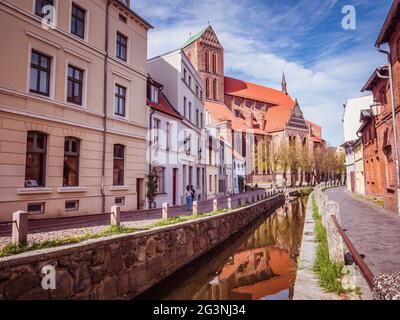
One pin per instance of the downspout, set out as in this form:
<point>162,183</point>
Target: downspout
<point>105,84</point>
<point>393,122</point>
<point>150,142</point>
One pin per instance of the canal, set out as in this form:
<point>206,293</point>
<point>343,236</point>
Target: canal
<point>258,263</point>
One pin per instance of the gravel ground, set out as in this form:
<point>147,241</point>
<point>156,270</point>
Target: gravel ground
<point>60,234</point>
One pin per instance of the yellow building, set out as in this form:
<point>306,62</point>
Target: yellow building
<point>72,107</point>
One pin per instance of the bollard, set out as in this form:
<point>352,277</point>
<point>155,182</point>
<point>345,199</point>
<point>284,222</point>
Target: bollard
<point>195,207</point>
<point>116,216</point>
<point>165,211</point>
<point>335,241</point>
<point>215,205</point>
<point>229,203</point>
<point>20,227</point>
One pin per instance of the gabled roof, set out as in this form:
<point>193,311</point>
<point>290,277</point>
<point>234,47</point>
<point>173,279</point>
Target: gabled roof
<point>221,113</point>
<point>390,23</point>
<point>244,89</point>
<point>374,79</point>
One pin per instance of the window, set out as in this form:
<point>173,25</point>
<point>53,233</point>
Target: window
<point>120,101</point>
<point>215,89</point>
<point>168,136</point>
<point>201,120</point>
<point>156,128</point>
<point>188,144</point>
<point>78,21</point>
<point>184,74</point>
<point>198,177</point>
<point>207,61</point>
<point>40,4</point>
<point>35,208</point>
<point>201,95</point>
<point>190,81</point>
<point>122,45</point>
<point>210,183</point>
<point>71,162</point>
<point>118,171</point>
<point>184,107</point>
<point>190,175</point>
<point>72,205</point>
<point>199,149</point>
<point>210,147</point>
<point>161,179</point>
<point>154,94</point>
<point>197,90</point>
<point>214,63</point>
<point>208,88</point>
<point>190,111</point>
<point>123,18</point>
<point>40,73</point>
<point>35,159</point>
<point>119,201</point>
<point>75,85</point>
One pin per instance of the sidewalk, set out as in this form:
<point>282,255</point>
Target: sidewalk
<point>374,231</point>
<point>52,229</point>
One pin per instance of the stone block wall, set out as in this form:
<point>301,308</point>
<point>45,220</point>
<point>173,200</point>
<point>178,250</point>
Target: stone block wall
<point>122,266</point>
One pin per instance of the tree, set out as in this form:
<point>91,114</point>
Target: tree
<point>152,185</point>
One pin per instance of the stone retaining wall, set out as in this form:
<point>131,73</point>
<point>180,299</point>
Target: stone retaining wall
<point>122,266</point>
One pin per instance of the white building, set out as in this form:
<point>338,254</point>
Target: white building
<point>351,124</point>
<point>184,90</point>
<point>239,171</point>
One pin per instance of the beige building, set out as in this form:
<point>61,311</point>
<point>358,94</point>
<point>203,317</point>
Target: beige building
<point>67,145</point>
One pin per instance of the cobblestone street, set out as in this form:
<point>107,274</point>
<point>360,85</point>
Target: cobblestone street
<point>374,231</point>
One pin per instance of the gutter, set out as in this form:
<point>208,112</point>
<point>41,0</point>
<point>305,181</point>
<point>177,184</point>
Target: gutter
<point>105,96</point>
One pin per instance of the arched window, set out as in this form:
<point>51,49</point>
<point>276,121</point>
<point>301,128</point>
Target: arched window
<point>35,159</point>
<point>208,88</point>
<point>207,61</point>
<point>215,89</point>
<point>214,63</point>
<point>71,162</point>
<point>118,167</point>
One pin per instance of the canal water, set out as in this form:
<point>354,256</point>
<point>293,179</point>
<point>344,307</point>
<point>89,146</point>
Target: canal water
<point>258,263</point>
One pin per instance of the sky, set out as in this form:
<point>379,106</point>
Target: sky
<point>324,64</point>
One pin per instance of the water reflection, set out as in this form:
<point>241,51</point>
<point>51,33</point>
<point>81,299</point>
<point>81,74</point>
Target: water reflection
<point>258,264</point>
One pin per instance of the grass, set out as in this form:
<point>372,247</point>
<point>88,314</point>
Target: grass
<point>329,273</point>
<point>12,249</point>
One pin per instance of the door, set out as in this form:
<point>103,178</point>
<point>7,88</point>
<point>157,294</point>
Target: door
<point>174,177</point>
<point>140,194</point>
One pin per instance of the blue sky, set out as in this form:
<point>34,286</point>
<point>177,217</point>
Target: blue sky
<point>323,63</point>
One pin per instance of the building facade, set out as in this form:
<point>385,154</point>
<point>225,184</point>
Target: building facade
<point>184,89</point>
<point>65,149</point>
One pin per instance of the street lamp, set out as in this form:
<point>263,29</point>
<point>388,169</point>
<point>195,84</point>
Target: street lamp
<point>376,108</point>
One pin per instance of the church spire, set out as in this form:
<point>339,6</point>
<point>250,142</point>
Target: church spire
<point>284,84</point>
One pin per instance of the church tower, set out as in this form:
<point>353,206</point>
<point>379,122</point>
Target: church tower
<point>206,54</point>
<point>284,84</point>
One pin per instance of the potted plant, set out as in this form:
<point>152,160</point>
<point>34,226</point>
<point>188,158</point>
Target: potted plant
<point>152,186</point>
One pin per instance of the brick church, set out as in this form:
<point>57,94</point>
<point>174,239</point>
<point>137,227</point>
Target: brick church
<point>257,119</point>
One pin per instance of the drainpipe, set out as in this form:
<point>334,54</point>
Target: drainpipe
<point>150,142</point>
<point>105,84</point>
<point>393,121</point>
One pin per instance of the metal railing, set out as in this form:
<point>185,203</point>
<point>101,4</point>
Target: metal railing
<point>365,270</point>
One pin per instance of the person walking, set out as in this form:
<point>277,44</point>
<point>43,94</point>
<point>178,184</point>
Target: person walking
<point>193,193</point>
<point>188,198</point>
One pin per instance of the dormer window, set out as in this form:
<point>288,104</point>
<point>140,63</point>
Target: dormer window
<point>154,94</point>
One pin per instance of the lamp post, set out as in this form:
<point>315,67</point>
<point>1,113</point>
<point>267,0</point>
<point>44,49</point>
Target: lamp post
<point>396,149</point>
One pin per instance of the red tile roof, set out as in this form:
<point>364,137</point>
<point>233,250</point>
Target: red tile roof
<point>164,106</point>
<point>277,117</point>
<point>239,88</point>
